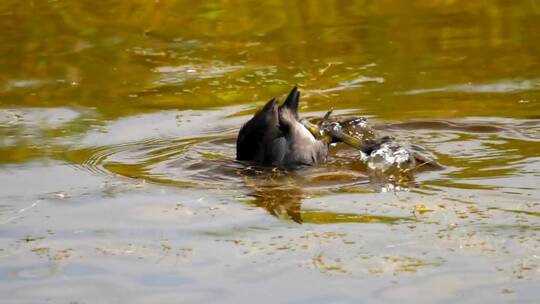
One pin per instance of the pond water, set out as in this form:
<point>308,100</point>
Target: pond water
<point>118,122</point>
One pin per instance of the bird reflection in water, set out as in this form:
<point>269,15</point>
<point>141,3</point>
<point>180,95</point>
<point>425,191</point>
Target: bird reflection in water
<point>282,193</point>
<point>274,190</point>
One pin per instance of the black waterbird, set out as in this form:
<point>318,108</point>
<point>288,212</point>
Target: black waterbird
<point>275,136</point>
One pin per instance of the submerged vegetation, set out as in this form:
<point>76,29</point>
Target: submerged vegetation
<point>118,179</point>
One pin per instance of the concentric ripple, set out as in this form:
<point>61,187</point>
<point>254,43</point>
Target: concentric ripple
<point>208,160</point>
<point>478,153</point>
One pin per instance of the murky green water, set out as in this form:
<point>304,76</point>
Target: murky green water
<point>117,142</point>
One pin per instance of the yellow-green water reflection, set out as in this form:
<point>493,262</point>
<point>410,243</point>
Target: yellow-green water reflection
<point>117,143</point>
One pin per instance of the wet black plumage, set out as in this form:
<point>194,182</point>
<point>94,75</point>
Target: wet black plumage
<point>274,136</point>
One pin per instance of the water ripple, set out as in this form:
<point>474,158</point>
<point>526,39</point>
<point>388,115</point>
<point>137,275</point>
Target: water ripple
<point>503,86</point>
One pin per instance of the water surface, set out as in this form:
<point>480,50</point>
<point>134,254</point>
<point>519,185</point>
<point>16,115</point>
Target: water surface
<point>117,143</point>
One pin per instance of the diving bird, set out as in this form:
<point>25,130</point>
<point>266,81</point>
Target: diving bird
<point>275,136</point>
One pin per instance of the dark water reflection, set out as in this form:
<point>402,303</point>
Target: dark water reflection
<point>117,143</point>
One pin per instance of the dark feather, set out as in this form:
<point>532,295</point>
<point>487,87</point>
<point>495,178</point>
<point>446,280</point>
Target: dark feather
<point>292,101</point>
<point>273,136</point>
